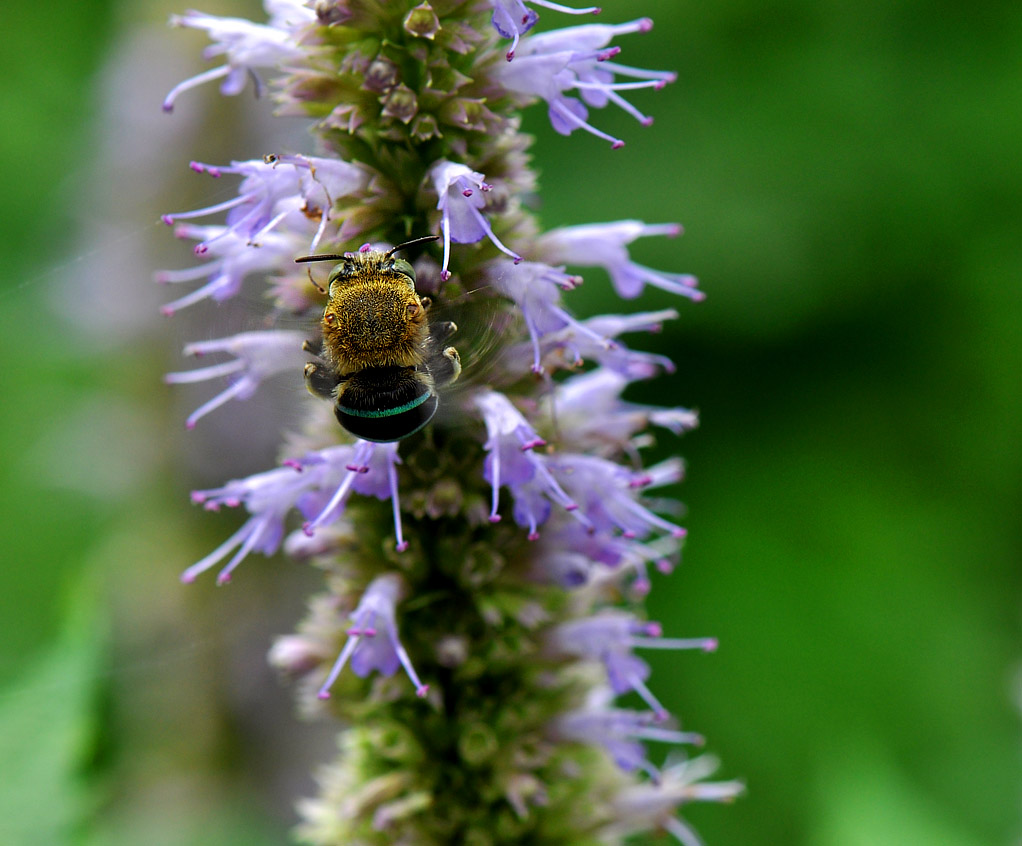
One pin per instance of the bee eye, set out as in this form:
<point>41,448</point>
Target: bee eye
<point>341,271</point>
<point>404,268</point>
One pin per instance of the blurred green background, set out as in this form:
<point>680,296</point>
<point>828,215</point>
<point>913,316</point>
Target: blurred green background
<point>850,180</point>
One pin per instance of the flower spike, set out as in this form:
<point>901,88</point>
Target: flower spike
<point>503,544</point>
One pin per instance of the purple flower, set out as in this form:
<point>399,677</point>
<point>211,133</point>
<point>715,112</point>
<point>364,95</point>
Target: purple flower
<point>564,566</point>
<point>573,551</point>
<point>536,289</point>
<point>327,539</point>
<point>268,497</point>
<point>610,637</point>
<point>234,259</point>
<point>641,807</point>
<point>282,208</point>
<point>621,733</point>
<point>593,416</point>
<point>318,485</point>
<point>371,471</point>
<point>460,190</point>
<point>258,355</point>
<point>605,245</point>
<point>570,347</point>
<point>576,59</point>
<point>373,642</point>
<point>248,46</point>
<point>296,654</point>
<point>275,190</point>
<point>533,496</point>
<point>511,461</point>
<point>606,492</point>
<point>512,19</point>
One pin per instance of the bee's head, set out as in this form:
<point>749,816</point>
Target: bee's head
<point>370,267</point>
<point>369,264</point>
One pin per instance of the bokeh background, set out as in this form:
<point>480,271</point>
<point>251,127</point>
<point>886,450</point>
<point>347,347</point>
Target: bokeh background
<point>850,179</point>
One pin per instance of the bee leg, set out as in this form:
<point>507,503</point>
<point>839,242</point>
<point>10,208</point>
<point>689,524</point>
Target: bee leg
<point>444,363</point>
<point>320,380</point>
<point>445,368</point>
<point>310,347</point>
<point>440,332</point>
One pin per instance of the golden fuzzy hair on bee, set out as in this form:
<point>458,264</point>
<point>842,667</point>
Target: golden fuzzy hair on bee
<point>374,318</point>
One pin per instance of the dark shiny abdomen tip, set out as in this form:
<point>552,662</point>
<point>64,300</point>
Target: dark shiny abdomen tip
<point>388,425</point>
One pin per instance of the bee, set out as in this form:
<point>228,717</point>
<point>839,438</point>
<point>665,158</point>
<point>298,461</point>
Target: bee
<point>382,360</point>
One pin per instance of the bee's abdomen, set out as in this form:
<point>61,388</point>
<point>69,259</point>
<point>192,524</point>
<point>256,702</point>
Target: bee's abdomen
<point>385,404</point>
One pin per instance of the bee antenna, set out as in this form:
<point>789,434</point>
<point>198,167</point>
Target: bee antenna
<point>415,241</point>
<point>315,284</point>
<point>321,257</point>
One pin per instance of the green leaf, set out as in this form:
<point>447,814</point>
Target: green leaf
<point>48,722</point>
<point>866,799</point>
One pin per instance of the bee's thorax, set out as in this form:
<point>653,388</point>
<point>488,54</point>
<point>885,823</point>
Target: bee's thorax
<point>374,322</point>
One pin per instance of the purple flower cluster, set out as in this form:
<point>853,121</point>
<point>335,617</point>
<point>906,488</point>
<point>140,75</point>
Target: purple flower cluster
<point>577,59</point>
<point>283,205</point>
<point>565,466</point>
<point>247,47</point>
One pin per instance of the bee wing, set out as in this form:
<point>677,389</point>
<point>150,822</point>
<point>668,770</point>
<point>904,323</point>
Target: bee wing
<point>474,325</point>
